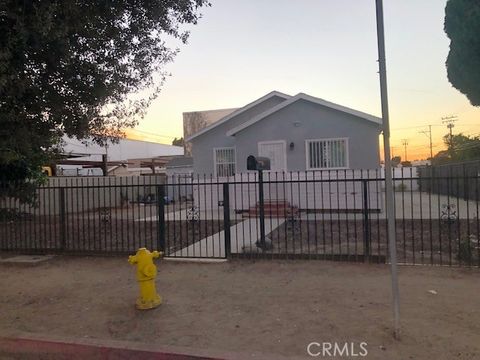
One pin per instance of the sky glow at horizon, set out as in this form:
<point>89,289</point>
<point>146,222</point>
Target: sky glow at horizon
<point>240,51</point>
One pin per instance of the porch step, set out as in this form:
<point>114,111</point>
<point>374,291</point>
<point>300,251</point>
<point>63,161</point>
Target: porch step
<point>273,209</point>
<point>274,203</point>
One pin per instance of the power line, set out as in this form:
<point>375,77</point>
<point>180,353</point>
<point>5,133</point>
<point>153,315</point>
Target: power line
<point>421,126</point>
<point>151,133</point>
<point>468,146</point>
<point>473,134</point>
<point>413,127</point>
<point>423,146</point>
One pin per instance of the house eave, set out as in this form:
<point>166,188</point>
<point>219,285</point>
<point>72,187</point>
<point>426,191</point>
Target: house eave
<point>302,96</point>
<point>238,112</point>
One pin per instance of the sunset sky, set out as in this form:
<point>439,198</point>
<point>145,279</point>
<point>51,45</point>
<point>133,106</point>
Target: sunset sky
<point>241,50</point>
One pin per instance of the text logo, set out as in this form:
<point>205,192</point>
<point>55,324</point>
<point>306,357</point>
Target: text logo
<point>335,349</point>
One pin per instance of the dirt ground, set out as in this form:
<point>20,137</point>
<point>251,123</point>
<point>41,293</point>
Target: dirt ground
<point>116,235</point>
<point>257,308</point>
<point>421,242</point>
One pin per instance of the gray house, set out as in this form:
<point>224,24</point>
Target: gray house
<point>297,133</point>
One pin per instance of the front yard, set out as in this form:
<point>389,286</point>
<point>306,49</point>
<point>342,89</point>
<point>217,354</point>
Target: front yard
<point>261,309</point>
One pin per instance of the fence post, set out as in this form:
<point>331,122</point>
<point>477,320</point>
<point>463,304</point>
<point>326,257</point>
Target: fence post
<point>161,217</point>
<point>466,192</point>
<point>63,219</point>
<point>366,224</point>
<point>226,220</point>
<point>261,199</point>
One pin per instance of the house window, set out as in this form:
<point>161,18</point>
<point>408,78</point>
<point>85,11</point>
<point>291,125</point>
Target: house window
<point>327,154</point>
<point>224,161</point>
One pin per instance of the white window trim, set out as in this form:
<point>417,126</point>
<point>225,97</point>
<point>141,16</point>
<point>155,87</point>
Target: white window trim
<point>284,142</point>
<point>215,158</point>
<point>307,159</point>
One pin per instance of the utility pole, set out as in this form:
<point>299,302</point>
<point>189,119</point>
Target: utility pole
<point>105,158</point>
<point>429,134</point>
<point>449,120</point>
<point>389,197</point>
<point>405,144</point>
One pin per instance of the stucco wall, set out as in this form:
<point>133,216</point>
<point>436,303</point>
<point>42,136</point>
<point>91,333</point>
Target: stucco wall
<point>305,120</point>
<point>295,123</point>
<point>87,193</point>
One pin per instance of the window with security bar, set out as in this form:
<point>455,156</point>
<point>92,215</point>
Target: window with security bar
<point>224,162</point>
<point>327,154</point>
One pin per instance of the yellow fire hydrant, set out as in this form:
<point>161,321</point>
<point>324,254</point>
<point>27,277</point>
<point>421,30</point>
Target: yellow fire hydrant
<point>146,274</point>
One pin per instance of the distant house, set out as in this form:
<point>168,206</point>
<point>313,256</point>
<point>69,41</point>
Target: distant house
<point>297,133</point>
<point>194,121</point>
<point>126,157</point>
<point>182,165</point>
<point>179,174</point>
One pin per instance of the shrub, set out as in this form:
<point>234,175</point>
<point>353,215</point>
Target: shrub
<point>467,249</point>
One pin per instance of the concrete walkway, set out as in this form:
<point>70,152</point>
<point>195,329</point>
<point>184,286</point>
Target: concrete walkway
<point>180,215</point>
<point>408,205</point>
<point>244,233</point>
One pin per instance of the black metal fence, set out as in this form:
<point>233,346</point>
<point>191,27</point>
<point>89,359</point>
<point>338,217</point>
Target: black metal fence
<point>314,215</point>
<point>442,179</point>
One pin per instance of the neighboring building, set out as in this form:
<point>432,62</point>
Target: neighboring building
<point>179,174</point>
<point>195,121</point>
<point>297,133</point>
<point>421,162</point>
<point>179,165</point>
<point>131,157</point>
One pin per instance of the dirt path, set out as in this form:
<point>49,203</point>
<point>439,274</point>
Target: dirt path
<point>266,307</point>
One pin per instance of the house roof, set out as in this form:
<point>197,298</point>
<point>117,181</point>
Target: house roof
<point>238,112</point>
<point>302,96</point>
<point>124,149</point>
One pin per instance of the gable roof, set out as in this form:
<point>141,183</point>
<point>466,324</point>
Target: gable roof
<point>238,112</point>
<point>302,96</point>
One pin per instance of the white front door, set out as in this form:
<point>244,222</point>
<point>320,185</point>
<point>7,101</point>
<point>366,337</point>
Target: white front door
<point>276,152</point>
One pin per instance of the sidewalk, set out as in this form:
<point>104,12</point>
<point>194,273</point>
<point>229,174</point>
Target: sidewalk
<point>243,234</point>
